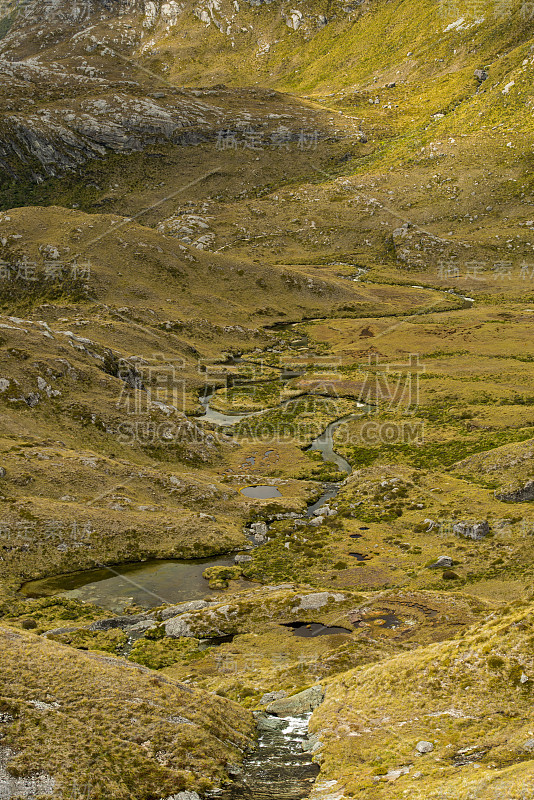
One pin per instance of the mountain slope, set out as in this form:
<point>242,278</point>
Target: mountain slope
<point>77,722</point>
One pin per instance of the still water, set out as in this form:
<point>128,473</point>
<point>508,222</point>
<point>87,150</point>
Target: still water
<point>261,492</point>
<point>147,584</point>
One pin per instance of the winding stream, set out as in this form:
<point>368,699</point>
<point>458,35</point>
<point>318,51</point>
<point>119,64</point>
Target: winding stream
<point>281,768</point>
<point>151,583</point>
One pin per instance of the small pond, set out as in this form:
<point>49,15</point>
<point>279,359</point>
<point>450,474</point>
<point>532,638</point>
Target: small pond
<point>261,492</point>
<point>359,556</point>
<point>147,583</point>
<point>310,629</point>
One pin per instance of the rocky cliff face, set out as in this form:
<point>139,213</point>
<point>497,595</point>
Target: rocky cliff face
<point>82,79</point>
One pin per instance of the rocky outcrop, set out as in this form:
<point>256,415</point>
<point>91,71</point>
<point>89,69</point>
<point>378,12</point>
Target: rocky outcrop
<point>442,561</point>
<point>182,608</point>
<point>415,248</point>
<point>472,530</point>
<point>65,136</point>
<point>121,622</point>
<point>297,704</point>
<point>316,600</point>
<point>36,785</point>
<point>178,627</point>
<point>521,494</point>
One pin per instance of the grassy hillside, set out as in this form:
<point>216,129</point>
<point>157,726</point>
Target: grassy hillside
<point>470,699</point>
<point>95,723</point>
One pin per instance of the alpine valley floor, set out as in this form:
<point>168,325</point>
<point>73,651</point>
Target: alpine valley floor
<point>266,405</point>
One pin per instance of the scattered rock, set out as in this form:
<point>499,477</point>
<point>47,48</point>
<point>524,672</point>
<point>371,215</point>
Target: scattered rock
<point>241,559</point>
<point>529,745</point>
<point>472,530</point>
<point>177,719</point>
<point>424,747</point>
<point>416,248</point>
<point>297,704</point>
<point>520,495</point>
<point>480,75</point>
<point>119,622</point>
<point>177,627</point>
<point>269,697</point>
<point>42,706</point>
<point>442,561</point>
<point>182,608</point>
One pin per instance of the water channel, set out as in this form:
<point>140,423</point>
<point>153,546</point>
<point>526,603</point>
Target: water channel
<point>281,767</point>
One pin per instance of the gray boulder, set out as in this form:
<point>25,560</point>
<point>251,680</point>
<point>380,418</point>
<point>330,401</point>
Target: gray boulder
<point>314,601</point>
<point>522,494</point>
<point>182,608</point>
<point>177,627</point>
<point>424,747</point>
<point>325,511</point>
<point>241,559</point>
<point>472,530</point>
<point>269,697</point>
<point>141,627</point>
<point>119,622</point>
<point>268,723</point>
<point>300,703</point>
<point>311,743</point>
<point>259,528</point>
<point>442,561</point>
